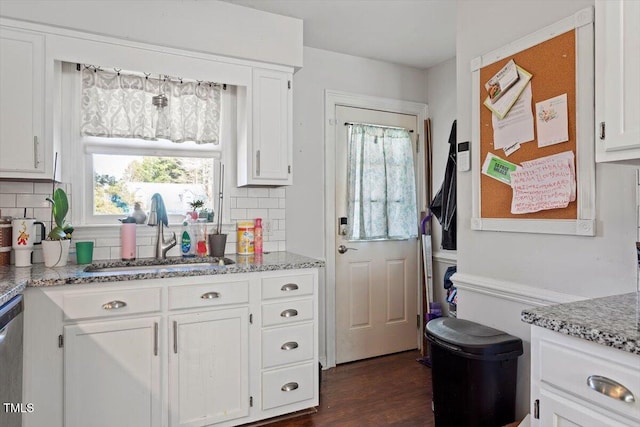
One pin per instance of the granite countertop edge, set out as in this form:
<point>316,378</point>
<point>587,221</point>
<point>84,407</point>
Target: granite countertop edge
<point>592,320</point>
<point>14,280</point>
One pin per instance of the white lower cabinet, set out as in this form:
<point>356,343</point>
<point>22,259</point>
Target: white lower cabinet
<point>208,367</point>
<point>112,373</point>
<point>199,351</point>
<point>578,383</point>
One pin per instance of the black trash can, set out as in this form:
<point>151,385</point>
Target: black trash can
<point>474,372</point>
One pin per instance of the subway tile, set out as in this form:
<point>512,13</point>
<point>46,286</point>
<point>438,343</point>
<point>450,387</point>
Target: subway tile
<point>101,254</point>
<point>238,214</point>
<point>146,251</point>
<point>258,192</point>
<point>109,241</point>
<point>237,192</point>
<point>43,214</point>
<point>114,252</point>
<point>278,235</point>
<point>277,192</point>
<point>32,201</point>
<point>246,203</point>
<point>16,187</point>
<point>257,213</point>
<point>7,200</point>
<point>233,202</point>
<point>270,246</point>
<point>42,188</point>
<point>282,203</point>
<point>267,202</point>
<point>276,214</point>
<point>18,212</point>
<point>282,224</point>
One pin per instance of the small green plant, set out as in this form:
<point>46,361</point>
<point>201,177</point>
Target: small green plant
<point>196,204</point>
<point>59,210</point>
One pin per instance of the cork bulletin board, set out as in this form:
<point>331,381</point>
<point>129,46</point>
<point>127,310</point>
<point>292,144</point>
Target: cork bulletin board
<point>560,59</point>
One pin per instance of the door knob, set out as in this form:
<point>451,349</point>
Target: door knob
<point>342,249</point>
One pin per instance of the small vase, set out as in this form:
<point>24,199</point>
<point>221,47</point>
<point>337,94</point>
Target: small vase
<point>55,252</point>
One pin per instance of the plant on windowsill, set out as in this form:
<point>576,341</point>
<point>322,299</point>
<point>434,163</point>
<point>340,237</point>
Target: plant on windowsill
<point>55,249</point>
<point>195,205</point>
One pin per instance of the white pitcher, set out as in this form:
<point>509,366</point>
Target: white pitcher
<point>23,239</point>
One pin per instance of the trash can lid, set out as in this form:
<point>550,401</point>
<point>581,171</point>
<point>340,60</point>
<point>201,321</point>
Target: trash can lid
<point>472,339</point>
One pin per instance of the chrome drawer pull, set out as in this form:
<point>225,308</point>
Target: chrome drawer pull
<point>291,345</point>
<point>210,295</point>
<point>610,388</point>
<point>289,287</point>
<point>113,305</point>
<point>289,387</point>
<point>289,313</point>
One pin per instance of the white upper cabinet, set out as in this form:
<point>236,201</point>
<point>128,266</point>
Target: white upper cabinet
<point>22,142</point>
<point>617,80</point>
<point>265,153</point>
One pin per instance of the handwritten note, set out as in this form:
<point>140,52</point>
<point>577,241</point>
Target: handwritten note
<point>545,183</point>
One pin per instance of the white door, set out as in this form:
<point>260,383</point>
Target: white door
<point>376,281</point>
<point>208,367</point>
<point>112,374</point>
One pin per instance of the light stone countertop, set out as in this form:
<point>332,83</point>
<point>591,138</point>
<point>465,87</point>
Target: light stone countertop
<point>13,280</point>
<point>613,321</point>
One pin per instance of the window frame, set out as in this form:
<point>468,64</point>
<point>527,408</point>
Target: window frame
<point>82,148</point>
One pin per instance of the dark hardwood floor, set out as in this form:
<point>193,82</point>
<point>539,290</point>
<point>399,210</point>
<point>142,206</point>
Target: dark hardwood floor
<point>392,390</point>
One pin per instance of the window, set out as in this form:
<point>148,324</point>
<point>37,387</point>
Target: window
<point>118,172</point>
<point>380,184</point>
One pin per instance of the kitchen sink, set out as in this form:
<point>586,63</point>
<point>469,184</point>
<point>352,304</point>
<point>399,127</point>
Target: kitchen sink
<point>158,265</point>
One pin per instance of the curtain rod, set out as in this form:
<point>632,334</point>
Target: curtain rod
<point>380,126</point>
<point>166,77</point>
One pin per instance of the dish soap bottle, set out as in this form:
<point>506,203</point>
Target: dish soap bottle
<point>187,242</point>
<point>257,237</point>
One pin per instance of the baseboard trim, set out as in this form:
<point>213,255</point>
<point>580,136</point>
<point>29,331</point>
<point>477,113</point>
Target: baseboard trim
<point>511,291</point>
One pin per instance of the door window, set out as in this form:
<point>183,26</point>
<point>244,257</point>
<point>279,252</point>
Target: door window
<point>381,188</point>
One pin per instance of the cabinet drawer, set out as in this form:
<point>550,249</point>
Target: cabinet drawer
<point>570,368</point>
<point>289,385</point>
<point>287,345</point>
<point>111,303</point>
<point>208,294</point>
<point>283,313</point>
<point>287,286</point>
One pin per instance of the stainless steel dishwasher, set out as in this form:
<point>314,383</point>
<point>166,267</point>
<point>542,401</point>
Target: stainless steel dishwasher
<point>11,362</point>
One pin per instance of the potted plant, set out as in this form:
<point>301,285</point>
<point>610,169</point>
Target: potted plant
<point>195,205</point>
<point>55,249</point>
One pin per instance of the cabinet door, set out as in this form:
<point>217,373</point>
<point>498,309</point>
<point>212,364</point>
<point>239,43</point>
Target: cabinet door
<point>208,367</point>
<point>112,374</point>
<point>272,127</point>
<point>21,103</point>
<point>617,82</point>
<point>558,411</point>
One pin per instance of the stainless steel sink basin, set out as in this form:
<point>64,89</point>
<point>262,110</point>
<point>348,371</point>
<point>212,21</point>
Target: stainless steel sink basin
<point>158,265</point>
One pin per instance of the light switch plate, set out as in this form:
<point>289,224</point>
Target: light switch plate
<point>464,156</point>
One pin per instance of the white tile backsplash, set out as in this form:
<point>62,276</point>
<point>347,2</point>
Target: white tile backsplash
<point>245,204</point>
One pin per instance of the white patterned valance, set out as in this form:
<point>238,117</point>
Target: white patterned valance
<point>119,105</point>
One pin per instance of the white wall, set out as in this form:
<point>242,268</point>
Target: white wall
<point>583,266</point>
<point>329,70</point>
<point>305,202</point>
<point>205,26</point>
<point>441,98</point>
<point>534,263</point>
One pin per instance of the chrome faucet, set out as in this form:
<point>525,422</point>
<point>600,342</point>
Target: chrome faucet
<point>158,218</point>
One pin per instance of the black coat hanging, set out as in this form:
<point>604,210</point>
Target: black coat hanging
<point>444,203</point>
